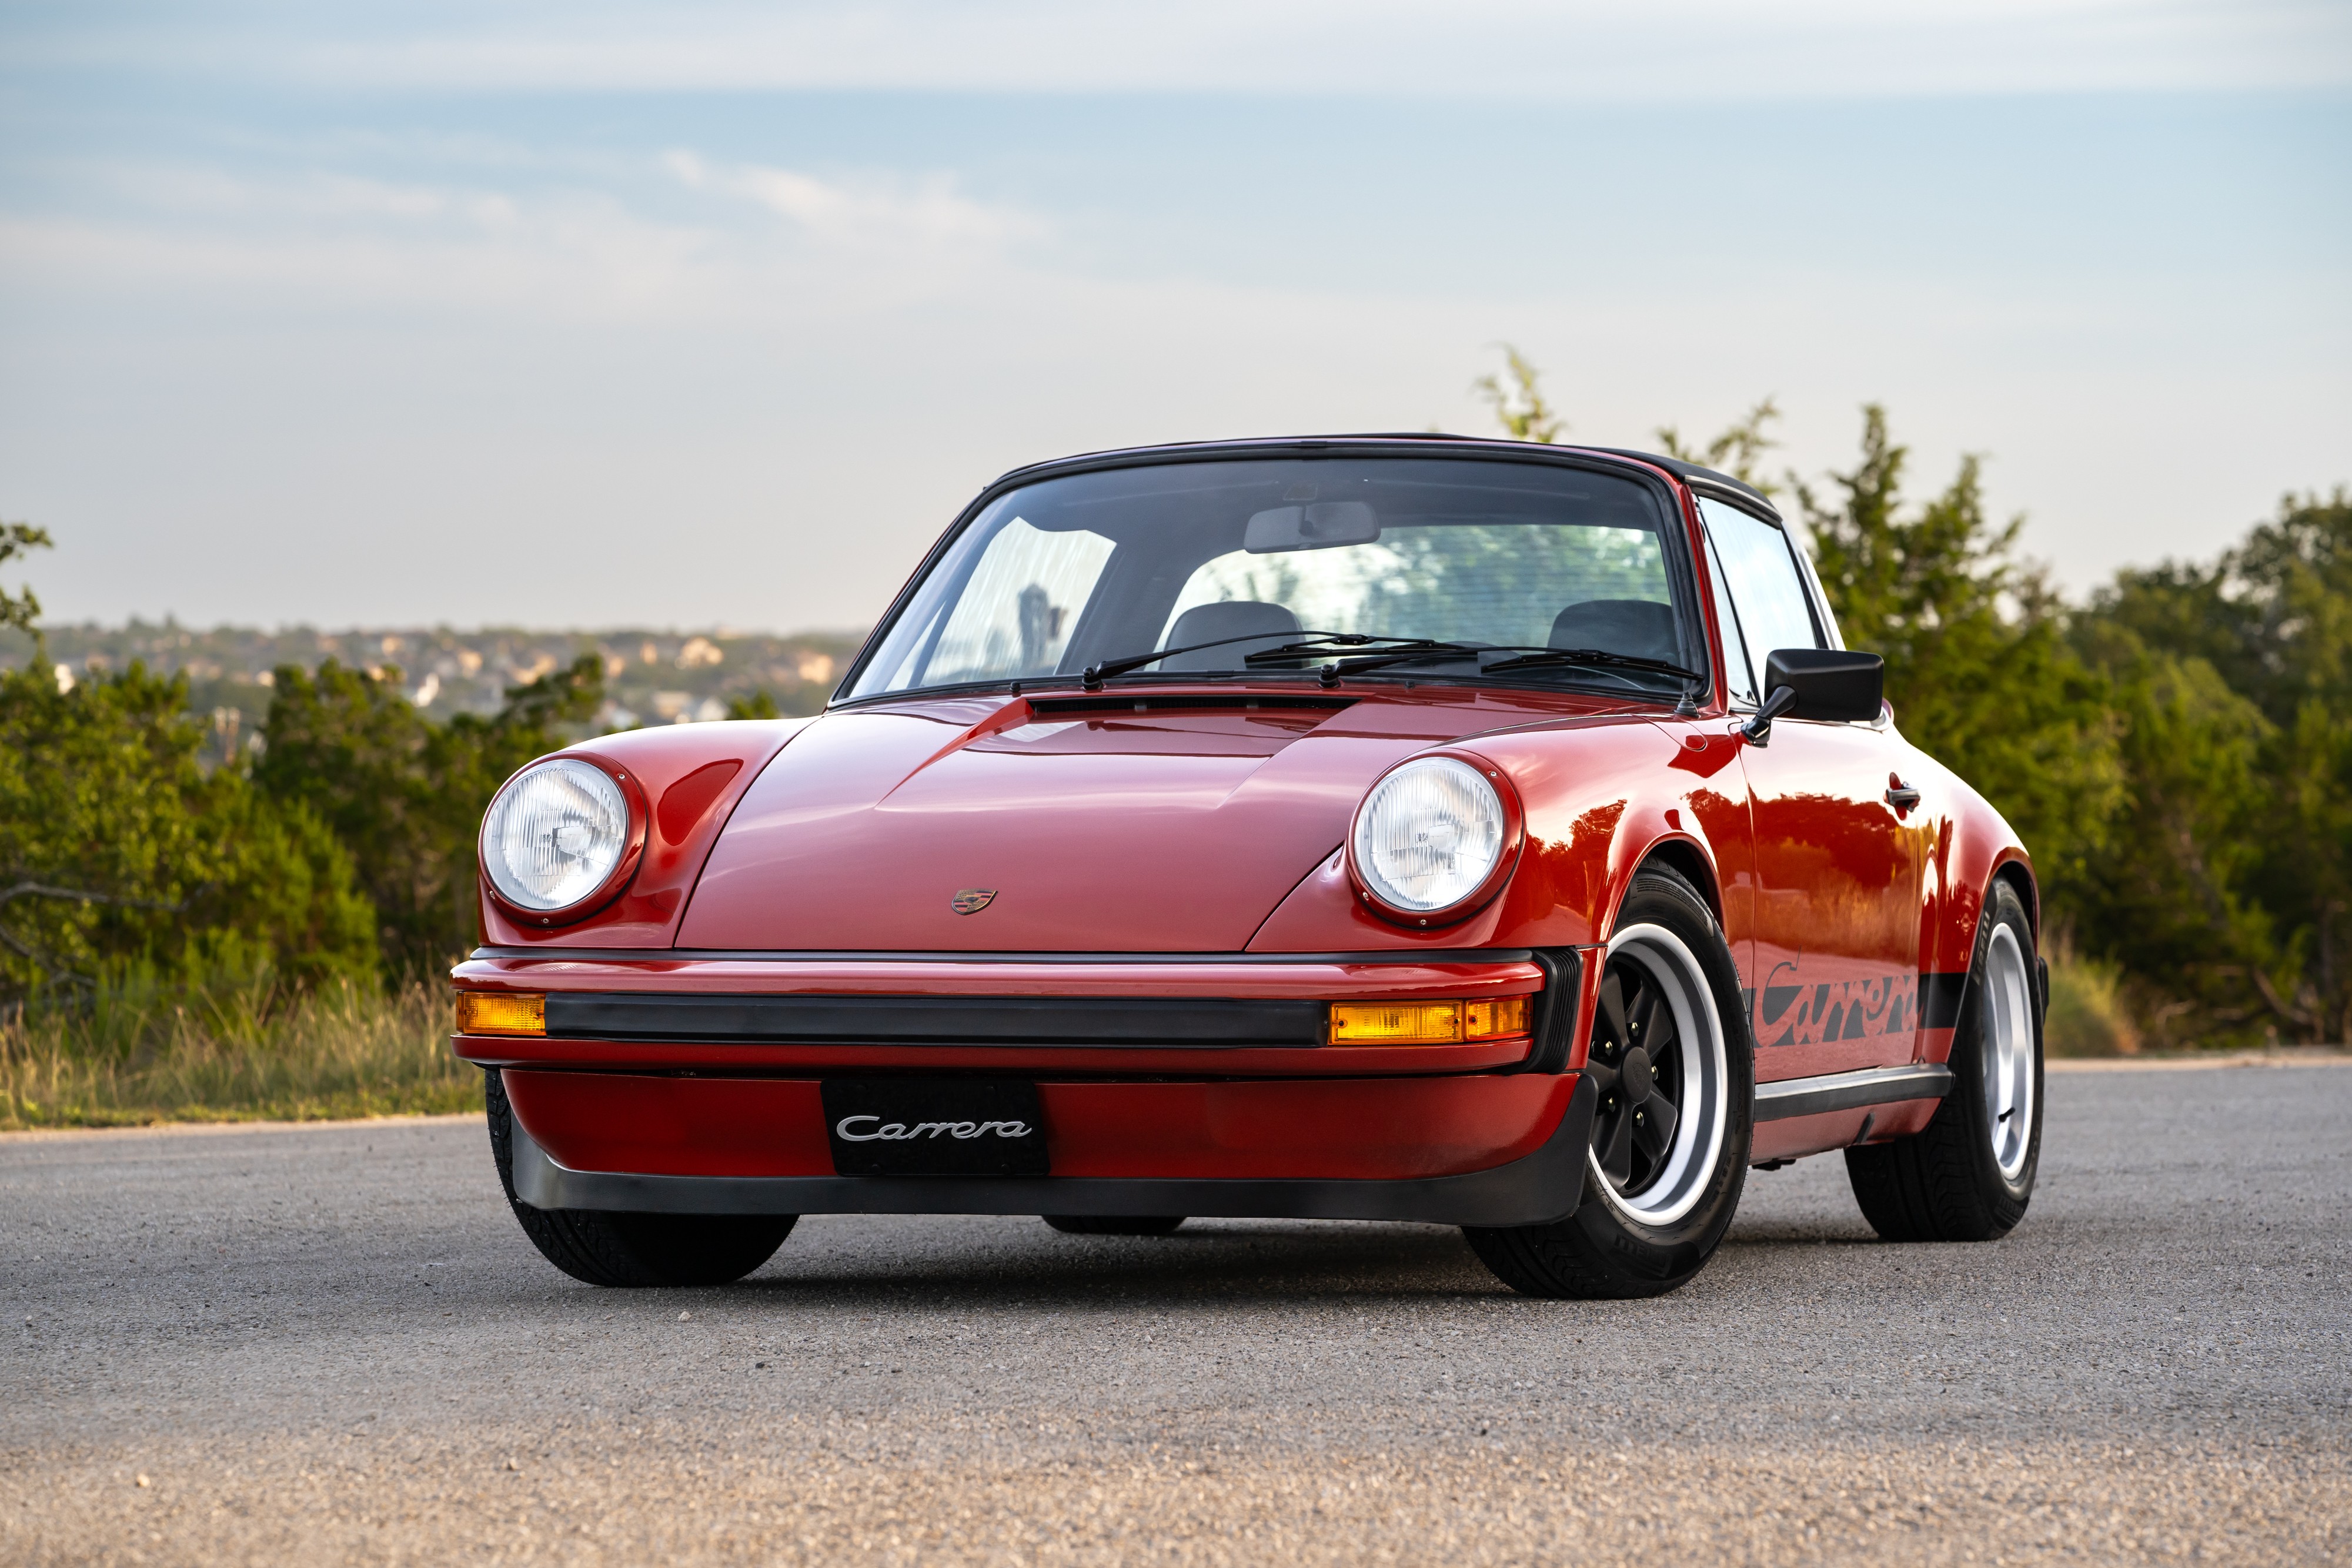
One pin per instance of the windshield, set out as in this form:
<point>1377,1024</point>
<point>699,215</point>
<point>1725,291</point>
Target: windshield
<point>1250,555</point>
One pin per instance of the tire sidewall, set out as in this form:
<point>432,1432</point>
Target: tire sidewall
<point>1675,1250</point>
<point>2006,1197</point>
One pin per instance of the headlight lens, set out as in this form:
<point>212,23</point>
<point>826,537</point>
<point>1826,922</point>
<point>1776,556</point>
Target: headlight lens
<point>554,834</point>
<point>1429,834</point>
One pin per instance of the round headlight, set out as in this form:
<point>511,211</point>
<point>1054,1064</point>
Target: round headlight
<point>1429,835</point>
<point>554,834</point>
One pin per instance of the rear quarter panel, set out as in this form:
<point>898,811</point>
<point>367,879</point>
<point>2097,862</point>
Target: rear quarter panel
<point>1973,845</point>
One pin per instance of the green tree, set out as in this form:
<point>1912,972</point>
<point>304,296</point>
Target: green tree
<point>1520,408</point>
<point>2270,623</point>
<point>1737,450</point>
<point>406,795</point>
<point>1978,666</point>
<point>761,704</point>
<point>21,610</point>
<point>119,849</point>
<point>2170,894</point>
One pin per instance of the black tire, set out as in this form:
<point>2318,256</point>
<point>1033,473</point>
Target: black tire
<point>608,1248</point>
<point>1114,1225</point>
<point>1946,1184</point>
<point>1606,1250</point>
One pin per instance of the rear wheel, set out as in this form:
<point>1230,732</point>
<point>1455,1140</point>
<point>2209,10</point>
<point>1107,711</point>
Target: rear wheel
<point>1114,1225</point>
<point>1672,1064</point>
<point>1970,1176</point>
<point>611,1248</point>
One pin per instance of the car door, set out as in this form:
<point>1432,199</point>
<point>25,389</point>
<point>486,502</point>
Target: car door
<point>1838,858</point>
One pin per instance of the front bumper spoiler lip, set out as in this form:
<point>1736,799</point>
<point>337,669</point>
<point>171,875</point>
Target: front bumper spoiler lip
<point>553,952</point>
<point>1539,1188</point>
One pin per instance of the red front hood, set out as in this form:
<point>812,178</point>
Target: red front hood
<point>1098,828</point>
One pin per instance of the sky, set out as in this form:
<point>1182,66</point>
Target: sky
<point>602,314</point>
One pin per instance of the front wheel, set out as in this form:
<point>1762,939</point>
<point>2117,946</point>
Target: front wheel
<point>1968,1177</point>
<point>611,1248</point>
<point>1676,1071</point>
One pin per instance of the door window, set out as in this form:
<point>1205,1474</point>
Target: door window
<point>1741,682</point>
<point>1767,588</point>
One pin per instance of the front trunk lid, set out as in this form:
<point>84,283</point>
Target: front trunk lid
<point>1161,823</point>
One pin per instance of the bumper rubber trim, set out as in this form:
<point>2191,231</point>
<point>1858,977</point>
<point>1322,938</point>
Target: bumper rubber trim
<point>1165,1022</point>
<point>1535,1189</point>
<point>878,955</point>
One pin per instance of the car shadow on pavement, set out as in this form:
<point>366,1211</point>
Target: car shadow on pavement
<point>1227,1261</point>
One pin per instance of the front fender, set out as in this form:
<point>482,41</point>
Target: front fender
<point>647,912</point>
<point>1601,798</point>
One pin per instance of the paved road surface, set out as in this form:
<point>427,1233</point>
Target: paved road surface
<point>334,1344</point>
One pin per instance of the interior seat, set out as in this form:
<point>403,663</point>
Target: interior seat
<point>1641,627</point>
<point>1233,618</point>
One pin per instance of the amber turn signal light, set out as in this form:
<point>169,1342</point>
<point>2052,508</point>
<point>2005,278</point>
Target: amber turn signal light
<point>1505,1015</point>
<point>1427,1023</point>
<point>500,1012</point>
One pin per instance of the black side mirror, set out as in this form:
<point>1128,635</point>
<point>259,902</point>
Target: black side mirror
<point>1827,683</point>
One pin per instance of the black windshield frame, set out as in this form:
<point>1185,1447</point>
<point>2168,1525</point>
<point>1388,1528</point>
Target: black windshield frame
<point>1672,535</point>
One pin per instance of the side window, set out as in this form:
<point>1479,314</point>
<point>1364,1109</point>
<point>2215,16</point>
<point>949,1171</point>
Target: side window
<point>1766,586</point>
<point>1836,638</point>
<point>1735,675</point>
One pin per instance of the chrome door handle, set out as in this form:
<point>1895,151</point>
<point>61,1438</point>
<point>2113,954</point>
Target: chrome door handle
<point>1901,796</point>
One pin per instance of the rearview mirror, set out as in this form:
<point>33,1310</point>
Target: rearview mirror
<point>1832,685</point>
<point>1318,527</point>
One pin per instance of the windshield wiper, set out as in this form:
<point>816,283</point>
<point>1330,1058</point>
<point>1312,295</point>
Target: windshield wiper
<point>1094,674</point>
<point>1334,641</point>
<point>1525,658</point>
<point>1386,650</point>
<point>1594,656</point>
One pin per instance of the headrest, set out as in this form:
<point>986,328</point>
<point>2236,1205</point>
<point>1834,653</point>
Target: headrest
<point>1641,627</point>
<point>1233,618</point>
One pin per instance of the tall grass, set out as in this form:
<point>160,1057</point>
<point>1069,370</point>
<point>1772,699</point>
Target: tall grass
<point>2090,1011</point>
<point>139,1050</point>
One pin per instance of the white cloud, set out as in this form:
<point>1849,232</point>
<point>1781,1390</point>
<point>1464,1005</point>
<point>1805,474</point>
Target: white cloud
<point>548,251</point>
<point>887,216</point>
<point>562,257</point>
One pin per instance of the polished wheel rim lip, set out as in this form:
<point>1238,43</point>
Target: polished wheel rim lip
<point>1697,1144</point>
<point>2008,1047</point>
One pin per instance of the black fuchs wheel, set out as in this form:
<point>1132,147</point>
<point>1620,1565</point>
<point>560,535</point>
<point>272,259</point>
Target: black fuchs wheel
<point>1672,1059</point>
<point>1114,1225</point>
<point>1970,1176</point>
<point>606,1248</point>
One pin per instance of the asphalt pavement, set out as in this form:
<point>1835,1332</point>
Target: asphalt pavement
<point>333,1343</point>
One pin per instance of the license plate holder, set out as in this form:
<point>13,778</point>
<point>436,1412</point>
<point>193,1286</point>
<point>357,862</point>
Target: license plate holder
<point>934,1127</point>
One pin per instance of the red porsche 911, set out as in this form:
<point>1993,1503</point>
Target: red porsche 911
<point>1366,828</point>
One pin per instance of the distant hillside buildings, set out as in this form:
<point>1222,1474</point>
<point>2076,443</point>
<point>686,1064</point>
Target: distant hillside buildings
<point>650,677</point>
